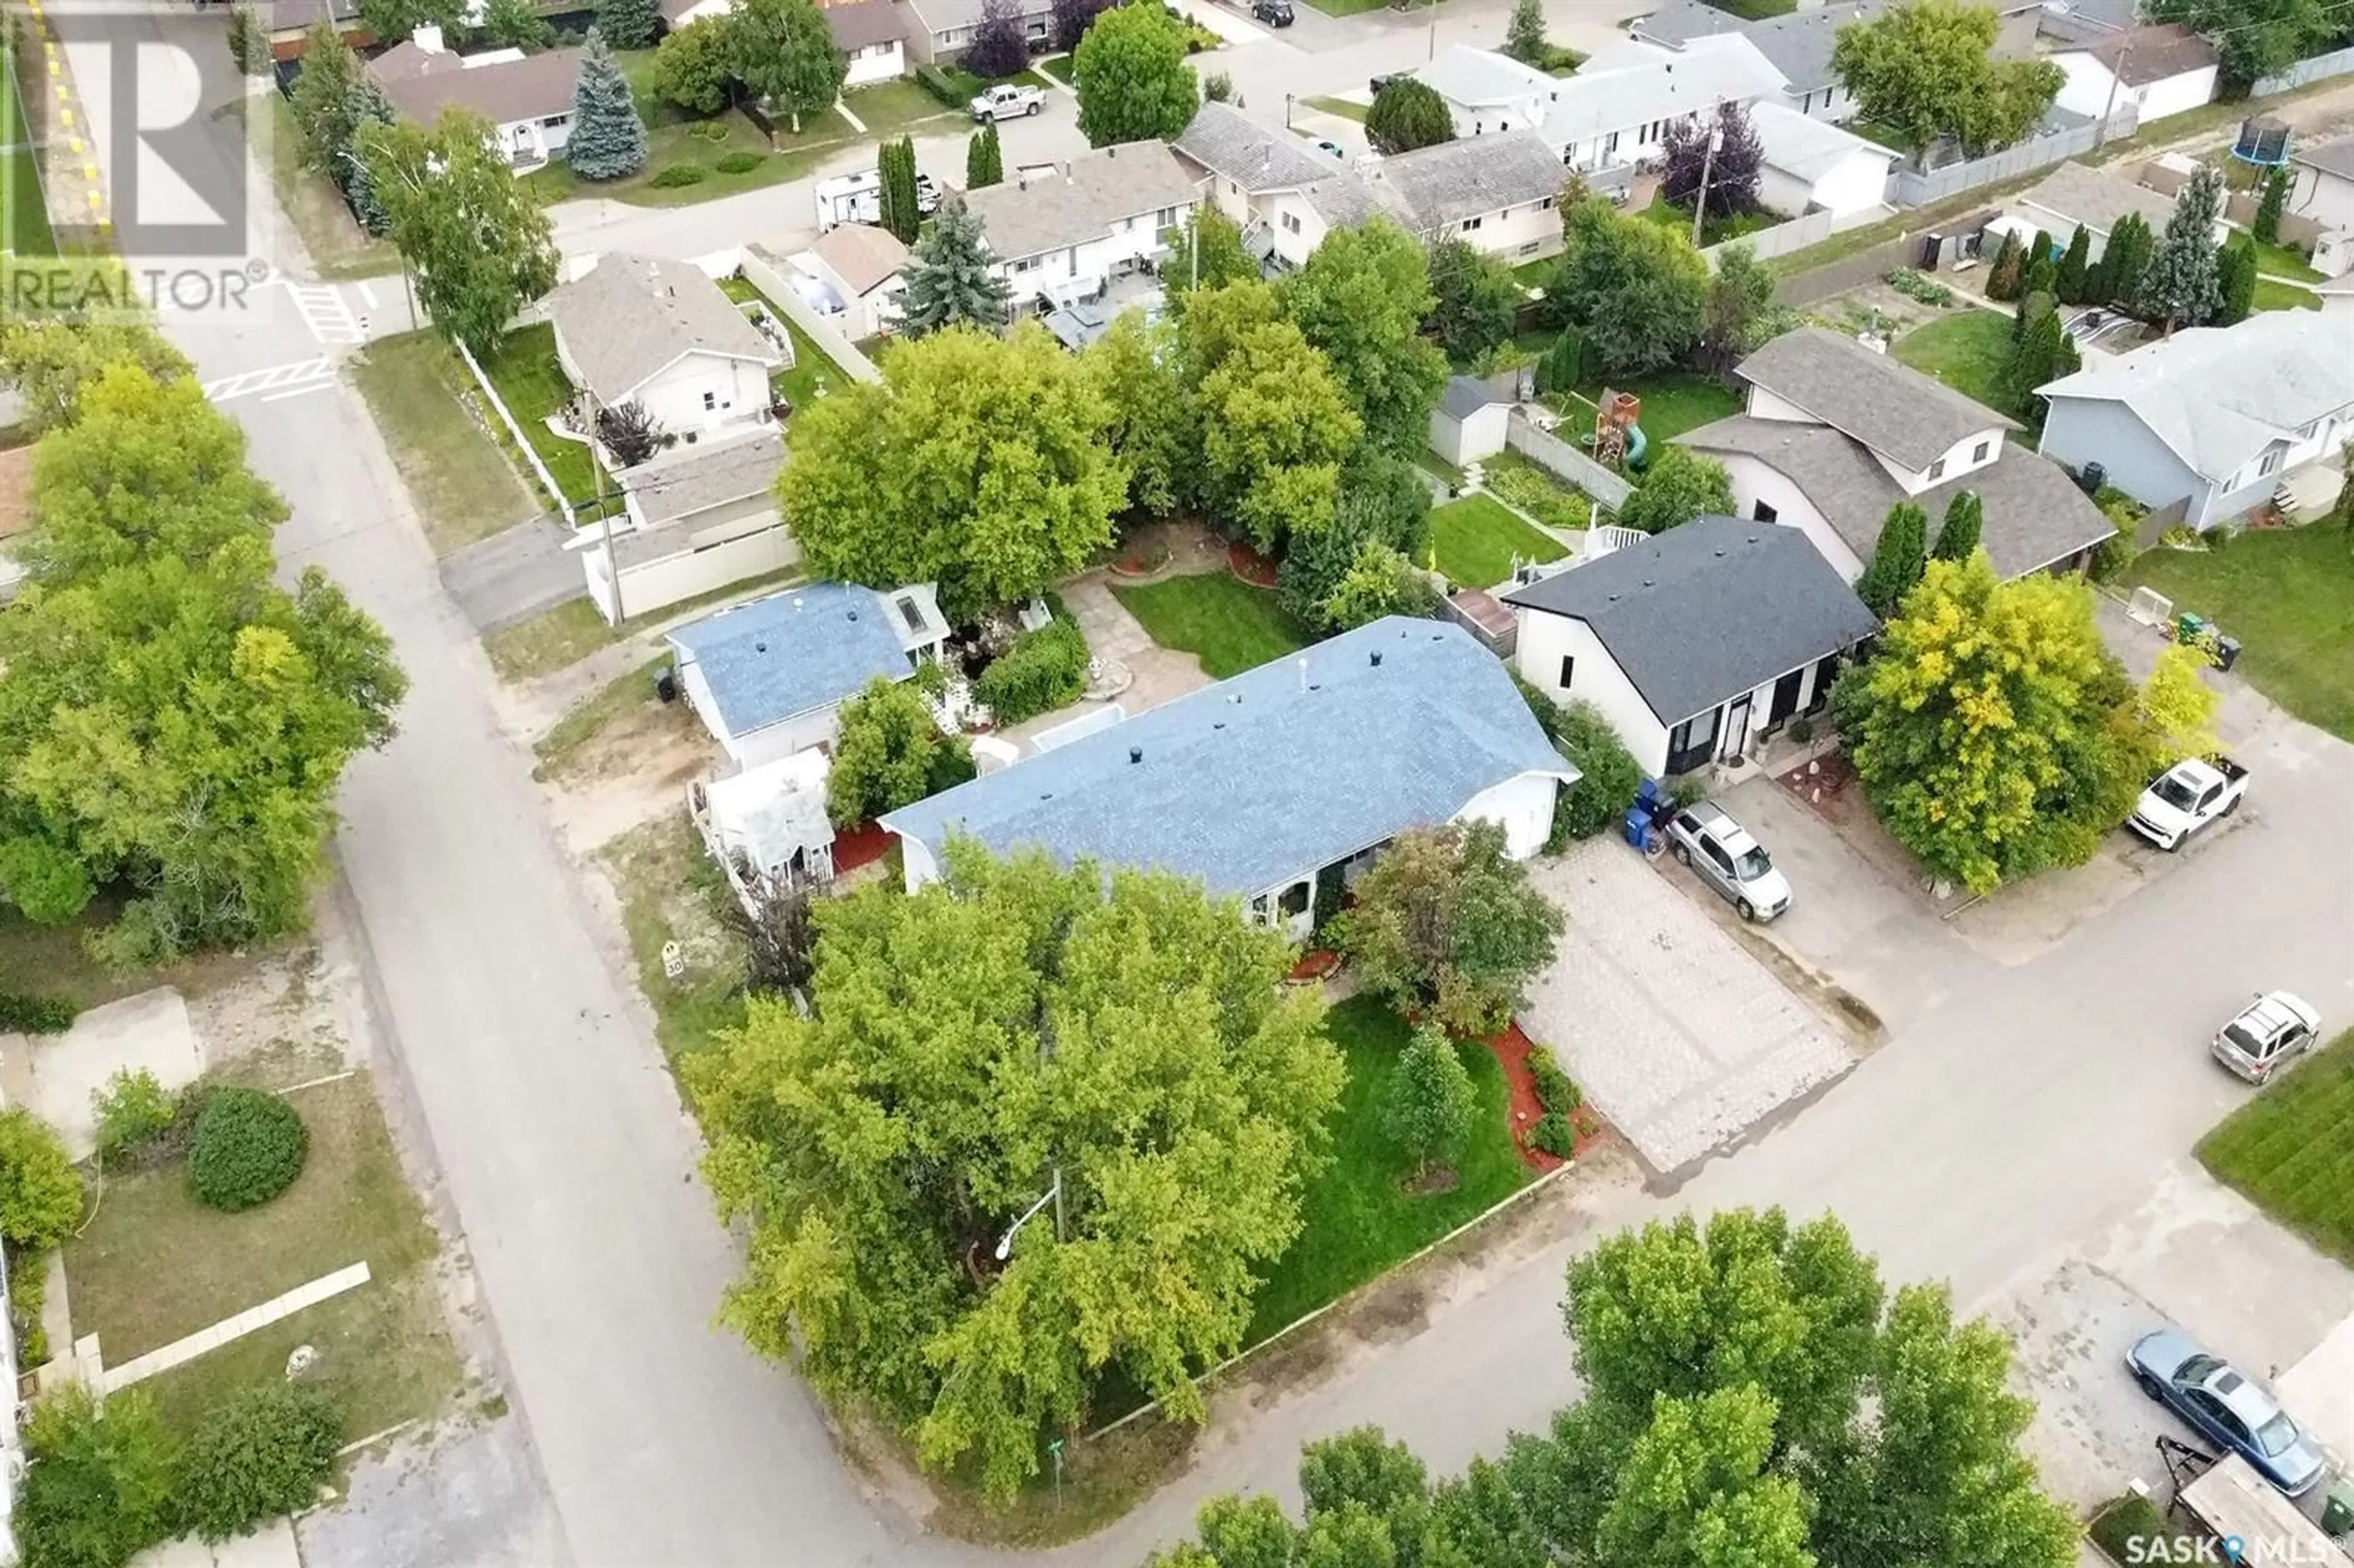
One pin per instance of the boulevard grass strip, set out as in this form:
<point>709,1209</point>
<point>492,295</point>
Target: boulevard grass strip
<point>1229,624</point>
<point>672,891</point>
<point>339,248</point>
<point>1475,540</point>
<point>464,487</point>
<point>2290,1151</point>
<point>1360,1220</point>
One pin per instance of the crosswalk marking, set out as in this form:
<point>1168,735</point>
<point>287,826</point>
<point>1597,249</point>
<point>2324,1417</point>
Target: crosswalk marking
<point>277,381</point>
<point>325,313</point>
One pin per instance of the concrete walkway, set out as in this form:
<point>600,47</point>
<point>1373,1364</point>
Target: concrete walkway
<point>1160,674</point>
<point>229,1329</point>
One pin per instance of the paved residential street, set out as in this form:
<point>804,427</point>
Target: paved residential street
<point>2032,1109</point>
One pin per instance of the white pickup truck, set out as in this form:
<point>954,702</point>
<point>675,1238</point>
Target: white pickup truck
<point>1008,100</point>
<point>2188,797</point>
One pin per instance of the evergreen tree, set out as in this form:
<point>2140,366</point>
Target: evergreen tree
<point>951,277</point>
<point>2269,209</point>
<point>2124,260</point>
<point>608,140</point>
<point>896,203</point>
<point>1897,562</point>
<point>321,101</point>
<point>2074,267</point>
<point>2042,353</point>
<point>2182,286</point>
<point>2002,272</point>
<point>1407,115</point>
<point>1564,366</point>
<point>2236,279</point>
<point>369,107</point>
<point>2041,276</point>
<point>1958,535</point>
<point>984,162</point>
<point>248,41</point>
<point>1524,35</point>
<point>628,24</point>
<point>2031,305</point>
<point>1432,1103</point>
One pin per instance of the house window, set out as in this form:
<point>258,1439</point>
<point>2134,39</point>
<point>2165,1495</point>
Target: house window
<point>1471,223</point>
<point>1529,248</point>
<point>1546,204</point>
<point>710,401</point>
<point>554,122</point>
<point>1762,512</point>
<point>1805,101</point>
<point>2270,463</point>
<point>1693,743</point>
<point>1291,222</point>
<point>1568,670</point>
<point>1610,143</point>
<point>1979,453</point>
<point>1937,469</point>
<point>1027,264</point>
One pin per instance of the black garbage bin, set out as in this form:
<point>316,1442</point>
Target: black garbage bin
<point>2227,653</point>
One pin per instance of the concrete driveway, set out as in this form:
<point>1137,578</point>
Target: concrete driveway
<point>1677,1033</point>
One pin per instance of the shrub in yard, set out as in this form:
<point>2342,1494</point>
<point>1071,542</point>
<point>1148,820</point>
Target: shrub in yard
<point>1553,1134</point>
<point>99,1489</point>
<point>261,1454</point>
<point>132,1111</point>
<point>23,1014</point>
<point>1445,923</point>
<point>671,176</point>
<point>28,1292</point>
<point>1555,1089</point>
<point>1431,1102</point>
<point>40,1196</point>
<point>1042,671</point>
<point>1607,773</point>
<point>779,939</point>
<point>249,1147</point>
<point>742,161</point>
<point>888,753</point>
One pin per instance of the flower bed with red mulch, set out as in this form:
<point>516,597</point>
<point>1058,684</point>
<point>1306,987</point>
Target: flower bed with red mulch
<point>1250,565</point>
<point>1512,1049</point>
<point>862,845</point>
<point>1322,964</point>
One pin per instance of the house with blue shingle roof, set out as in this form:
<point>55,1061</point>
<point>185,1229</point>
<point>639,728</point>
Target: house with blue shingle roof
<point>1260,783</point>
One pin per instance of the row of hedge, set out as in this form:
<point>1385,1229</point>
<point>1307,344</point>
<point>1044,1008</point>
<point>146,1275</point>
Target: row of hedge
<point>1045,670</point>
<point>1608,775</point>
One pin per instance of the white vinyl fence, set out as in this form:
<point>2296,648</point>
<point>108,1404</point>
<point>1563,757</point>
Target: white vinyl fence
<point>2337,62</point>
<point>1797,234</point>
<point>1550,452</point>
<point>1910,187</point>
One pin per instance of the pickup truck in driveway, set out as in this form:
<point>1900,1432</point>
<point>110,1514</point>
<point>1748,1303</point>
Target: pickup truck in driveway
<point>1008,100</point>
<point>2188,797</point>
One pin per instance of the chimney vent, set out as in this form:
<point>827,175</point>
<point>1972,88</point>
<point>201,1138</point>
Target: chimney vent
<point>1377,658</point>
<point>1135,755</point>
<point>759,647</point>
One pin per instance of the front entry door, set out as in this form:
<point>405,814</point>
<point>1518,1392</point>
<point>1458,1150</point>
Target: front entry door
<point>1785,698</point>
<point>1736,727</point>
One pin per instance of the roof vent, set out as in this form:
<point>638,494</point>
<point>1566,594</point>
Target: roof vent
<point>853,615</point>
<point>759,647</point>
<point>1720,554</point>
<point>1135,755</point>
<point>1218,724</point>
<point>1752,538</point>
<point>1648,583</point>
<point>1377,658</point>
<point>1315,685</point>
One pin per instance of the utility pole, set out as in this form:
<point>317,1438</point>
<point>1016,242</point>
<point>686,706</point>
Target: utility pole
<point>2101,133</point>
<point>605,516</point>
<point>1707,167</point>
<point>1434,30</point>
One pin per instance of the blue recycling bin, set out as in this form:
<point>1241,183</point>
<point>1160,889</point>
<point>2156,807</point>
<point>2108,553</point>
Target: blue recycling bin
<point>1638,822</point>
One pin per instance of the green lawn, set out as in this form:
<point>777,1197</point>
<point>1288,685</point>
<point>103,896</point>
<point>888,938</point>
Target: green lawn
<point>1716,233</point>
<point>673,139</point>
<point>2288,595</point>
<point>1360,1219</point>
<point>1339,106</point>
<point>1518,482</point>
<point>533,386</point>
<point>555,639</point>
<point>1475,539</point>
<point>465,487</point>
<point>813,371</point>
<point>888,108</point>
<point>1347,7</point>
<point>1231,625</point>
<point>1966,351</point>
<point>670,890</point>
<point>1674,401</point>
<point>2284,261</point>
<point>2291,1149</point>
<point>2272,295</point>
<point>1057,65</point>
<point>22,210</point>
<point>1756,10</point>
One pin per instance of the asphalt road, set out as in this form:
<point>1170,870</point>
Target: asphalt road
<point>2016,1108</point>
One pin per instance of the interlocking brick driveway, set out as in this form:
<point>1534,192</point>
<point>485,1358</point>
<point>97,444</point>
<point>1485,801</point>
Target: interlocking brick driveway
<point>1675,1031</point>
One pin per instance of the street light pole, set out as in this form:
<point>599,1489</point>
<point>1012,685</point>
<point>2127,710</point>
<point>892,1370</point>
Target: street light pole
<point>1053,1195</point>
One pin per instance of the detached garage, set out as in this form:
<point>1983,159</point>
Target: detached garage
<point>1814,166</point>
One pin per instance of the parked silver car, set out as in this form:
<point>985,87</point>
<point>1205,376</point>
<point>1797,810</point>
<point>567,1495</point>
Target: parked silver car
<point>1704,837</point>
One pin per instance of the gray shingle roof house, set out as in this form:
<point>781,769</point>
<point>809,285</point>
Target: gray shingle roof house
<point>686,481</point>
<point>766,677</point>
<point>1255,784</point>
<point>1798,44</point>
<point>631,318</point>
<point>1092,196</point>
<point>2075,193</point>
<point>1441,185</point>
<point>421,78</point>
<point>1230,143</point>
<point>1693,639</point>
<point>1889,406</point>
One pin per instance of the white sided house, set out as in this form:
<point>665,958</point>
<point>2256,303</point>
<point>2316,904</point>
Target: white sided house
<point>659,334</point>
<point>852,275</point>
<point>2159,71</point>
<point>1067,231</point>
<point>1813,166</point>
<point>2321,184</point>
<point>698,518</point>
<point>2213,418</point>
<point>1282,779</point>
<point>769,678</point>
<point>1283,194</point>
<point>1835,435</point>
<point>1499,195</point>
<point>527,99</point>
<point>1693,643</point>
<point>2075,194</point>
<point>870,34</point>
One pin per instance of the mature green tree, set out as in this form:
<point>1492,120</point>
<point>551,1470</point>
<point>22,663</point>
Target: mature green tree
<point>1361,300</point>
<point>1209,254</point>
<point>1407,115</point>
<point>1446,923</point>
<point>2274,203</point>
<point>890,752</point>
<point>1380,581</point>
<point>2003,274</point>
<point>999,48</point>
<point>1431,1104</point>
<point>1277,426</point>
<point>1071,18</point>
<point>1385,501</point>
<point>248,41</point>
<point>515,24</point>
<point>979,461</point>
<point>695,67</point>
<point>1132,79</point>
<point>1987,729</point>
<point>608,140</point>
<point>1738,309</point>
<point>951,279</point>
<point>2042,273</point>
<point>2074,269</point>
<point>323,104</point>
<point>391,21</point>
<point>2117,275</point>
<point>1476,297</point>
<point>1135,368</point>
<point>1957,535</point>
<point>985,160</point>
<point>370,106</point>
<point>2039,349</point>
<point>477,243</point>
<point>146,469</point>
<point>2178,706</point>
<point>1635,290</point>
<point>1695,1489</point>
<point>2235,282</point>
<point>784,54</point>
<point>1681,484</point>
<point>1115,1042</point>
<point>628,24</point>
<point>1525,34</point>
<point>1897,561</point>
<point>51,362</point>
<point>1563,368</point>
<point>897,203</point>
<point>1926,69</point>
<point>2182,286</point>
<point>2256,38</point>
<point>1724,157</point>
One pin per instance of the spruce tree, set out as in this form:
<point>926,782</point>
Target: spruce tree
<point>952,278</point>
<point>1958,535</point>
<point>2074,267</point>
<point>1524,35</point>
<point>2042,353</point>
<point>608,140</point>
<point>2274,203</point>
<point>984,162</point>
<point>628,24</point>
<point>369,107</point>
<point>248,41</point>
<point>2002,274</point>
<point>2031,305</point>
<point>2182,286</point>
<point>2042,277</point>
<point>2236,278</point>
<point>2124,260</point>
<point>1897,562</point>
<point>897,206</point>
